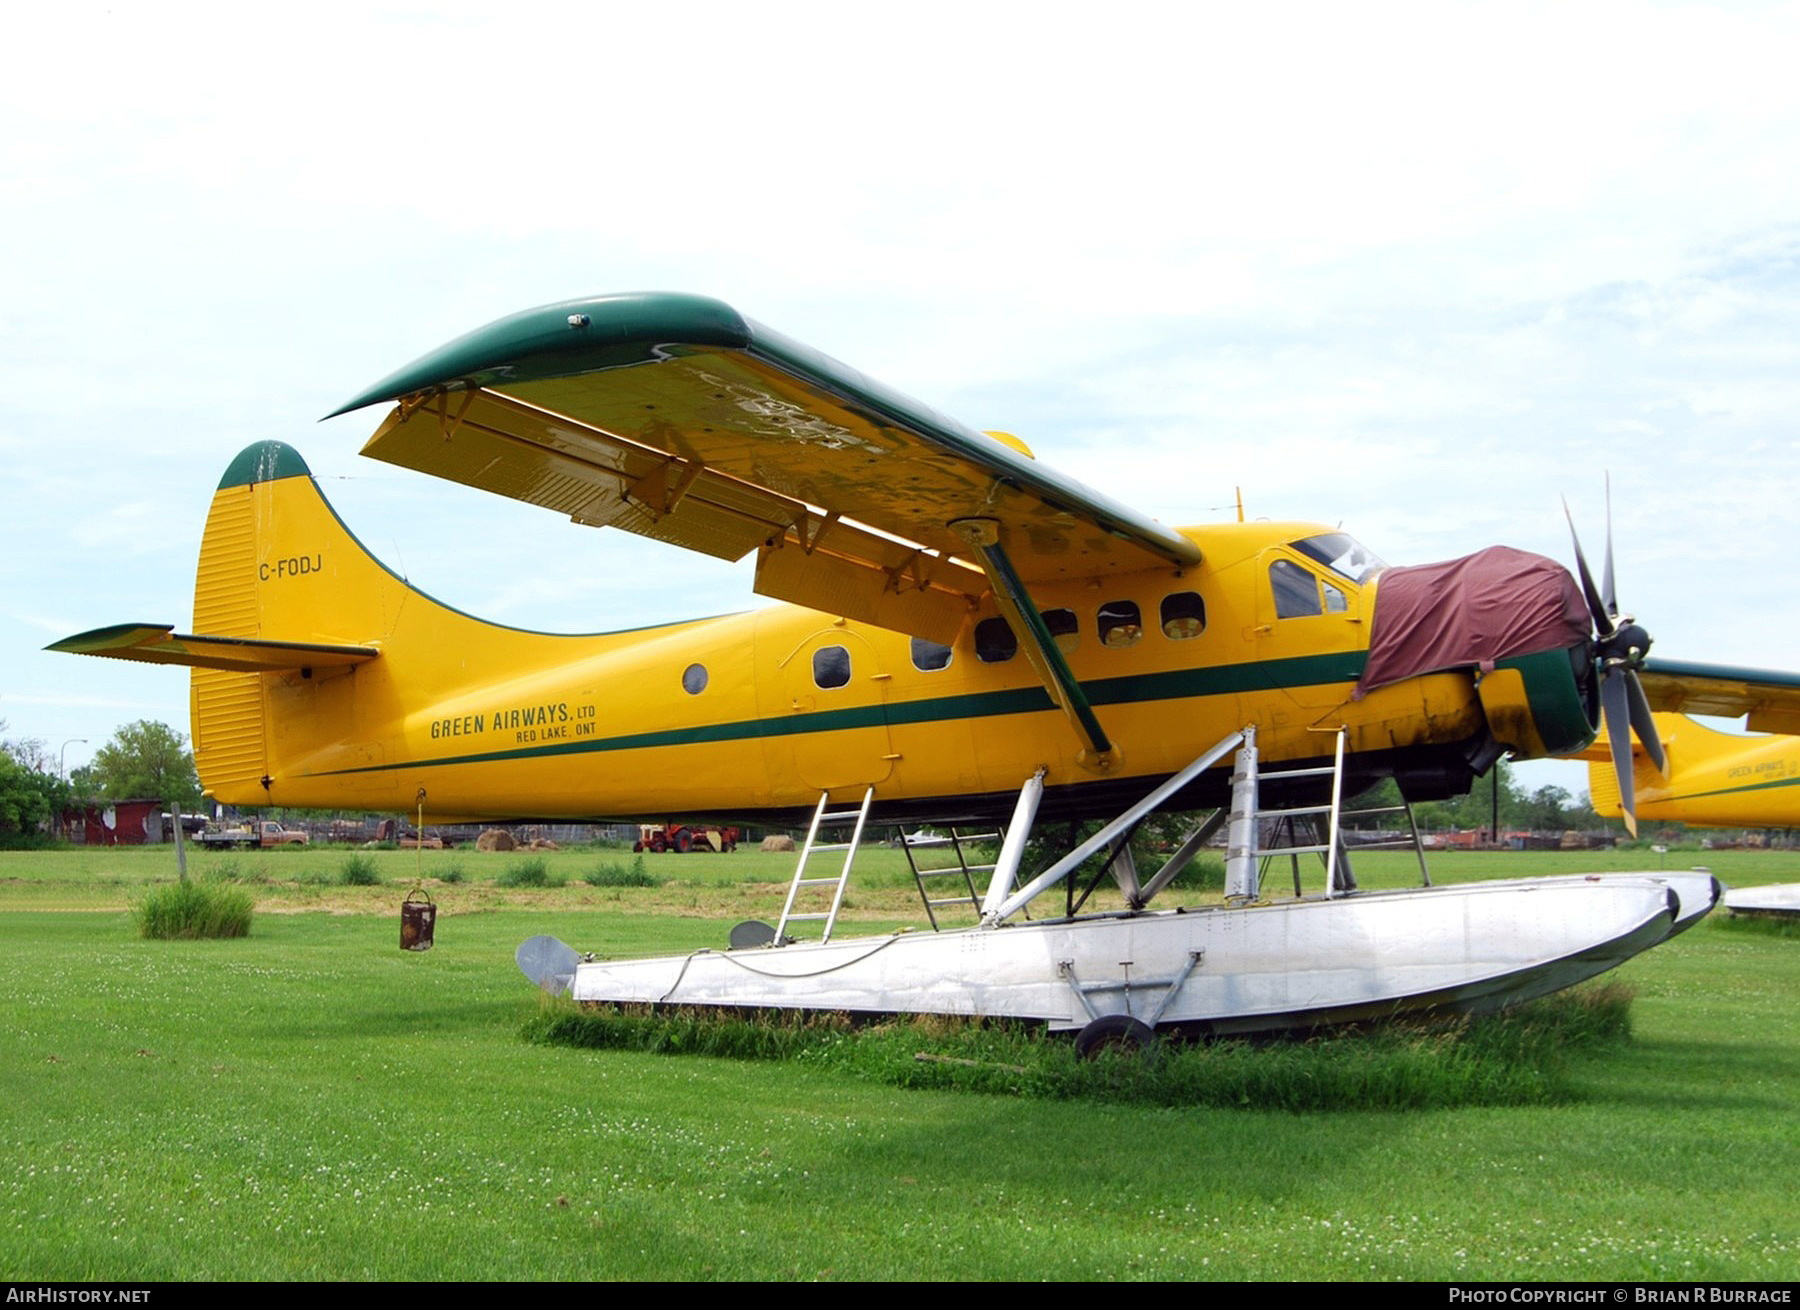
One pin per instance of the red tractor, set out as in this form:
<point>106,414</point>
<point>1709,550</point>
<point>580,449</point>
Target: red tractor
<point>684,837</point>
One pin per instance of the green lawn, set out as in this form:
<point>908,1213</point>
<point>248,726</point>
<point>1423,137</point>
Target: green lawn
<point>311,1102</point>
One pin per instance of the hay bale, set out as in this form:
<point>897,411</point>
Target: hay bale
<point>496,839</point>
<point>778,842</point>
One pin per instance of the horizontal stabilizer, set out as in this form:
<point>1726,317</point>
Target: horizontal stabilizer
<point>155,643</point>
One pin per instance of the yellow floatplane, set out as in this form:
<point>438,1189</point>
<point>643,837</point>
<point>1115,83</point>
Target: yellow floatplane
<point>967,636</point>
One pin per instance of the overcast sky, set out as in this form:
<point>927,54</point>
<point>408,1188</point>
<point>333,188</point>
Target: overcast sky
<point>1419,269</point>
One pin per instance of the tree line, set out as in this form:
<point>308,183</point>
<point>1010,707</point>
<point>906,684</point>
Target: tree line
<point>1548,809</point>
<point>144,759</point>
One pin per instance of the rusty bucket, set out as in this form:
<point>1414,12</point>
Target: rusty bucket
<point>418,921</point>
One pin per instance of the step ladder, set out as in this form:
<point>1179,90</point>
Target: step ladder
<point>823,819</point>
<point>1248,847</point>
<point>958,842</point>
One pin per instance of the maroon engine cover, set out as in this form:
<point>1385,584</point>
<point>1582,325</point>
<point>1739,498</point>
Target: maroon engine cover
<point>1474,610</point>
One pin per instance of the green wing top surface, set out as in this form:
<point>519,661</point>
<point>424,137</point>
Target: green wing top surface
<point>1770,698</point>
<point>677,417</point>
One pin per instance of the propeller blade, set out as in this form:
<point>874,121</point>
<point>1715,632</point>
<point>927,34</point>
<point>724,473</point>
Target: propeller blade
<point>1596,605</point>
<point>1643,724</point>
<point>1607,595</point>
<point>1615,707</point>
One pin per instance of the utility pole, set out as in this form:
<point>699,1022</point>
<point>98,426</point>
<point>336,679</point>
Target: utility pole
<point>62,776</point>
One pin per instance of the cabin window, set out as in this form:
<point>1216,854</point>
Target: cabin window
<point>994,641</point>
<point>1183,615</point>
<point>928,656</point>
<point>1296,590</point>
<point>1065,629</point>
<point>1335,601</point>
<point>1120,623</point>
<point>831,667</point>
<point>693,679</point>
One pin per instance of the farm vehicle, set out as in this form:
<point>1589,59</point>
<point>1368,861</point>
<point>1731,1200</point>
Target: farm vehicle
<point>264,833</point>
<point>684,837</point>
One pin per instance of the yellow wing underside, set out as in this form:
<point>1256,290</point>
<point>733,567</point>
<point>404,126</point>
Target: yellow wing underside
<point>723,453</point>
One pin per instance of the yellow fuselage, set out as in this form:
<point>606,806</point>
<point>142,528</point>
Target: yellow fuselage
<point>739,714</point>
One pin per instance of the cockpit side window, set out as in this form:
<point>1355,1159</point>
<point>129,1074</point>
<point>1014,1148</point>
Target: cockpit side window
<point>1296,590</point>
<point>1342,554</point>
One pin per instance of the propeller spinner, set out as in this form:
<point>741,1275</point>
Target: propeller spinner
<point>1620,645</point>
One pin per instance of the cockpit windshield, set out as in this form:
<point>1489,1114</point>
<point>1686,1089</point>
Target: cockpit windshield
<point>1342,554</point>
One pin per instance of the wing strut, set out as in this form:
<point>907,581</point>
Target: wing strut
<point>1016,607</point>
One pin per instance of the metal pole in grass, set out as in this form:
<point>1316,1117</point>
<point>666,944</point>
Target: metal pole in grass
<point>1494,823</point>
<point>180,846</point>
<point>62,773</point>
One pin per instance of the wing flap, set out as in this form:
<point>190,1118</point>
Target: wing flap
<point>851,572</point>
<point>495,443</point>
<point>151,643</point>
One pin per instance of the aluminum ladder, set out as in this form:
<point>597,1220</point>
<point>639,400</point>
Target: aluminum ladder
<point>1244,848</point>
<point>824,818</point>
<point>969,894</point>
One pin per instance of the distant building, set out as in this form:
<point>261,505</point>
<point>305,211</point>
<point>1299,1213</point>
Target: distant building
<point>136,822</point>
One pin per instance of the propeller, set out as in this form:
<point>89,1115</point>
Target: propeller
<point>1620,645</point>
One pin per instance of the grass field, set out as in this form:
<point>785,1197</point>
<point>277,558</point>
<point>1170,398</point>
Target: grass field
<point>311,1102</point>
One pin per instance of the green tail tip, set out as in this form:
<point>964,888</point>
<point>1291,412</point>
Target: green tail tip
<point>265,461</point>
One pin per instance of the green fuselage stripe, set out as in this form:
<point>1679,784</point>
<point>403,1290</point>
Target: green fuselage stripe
<point>1729,791</point>
<point>1179,684</point>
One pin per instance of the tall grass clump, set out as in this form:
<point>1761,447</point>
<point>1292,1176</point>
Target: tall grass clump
<point>189,911</point>
<point>1520,1057</point>
<point>231,870</point>
<point>452,872</point>
<point>614,874</point>
<point>534,872</point>
<point>226,870</point>
<point>359,871</point>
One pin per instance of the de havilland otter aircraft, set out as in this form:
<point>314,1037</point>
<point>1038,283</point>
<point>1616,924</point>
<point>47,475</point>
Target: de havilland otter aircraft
<point>967,635</point>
